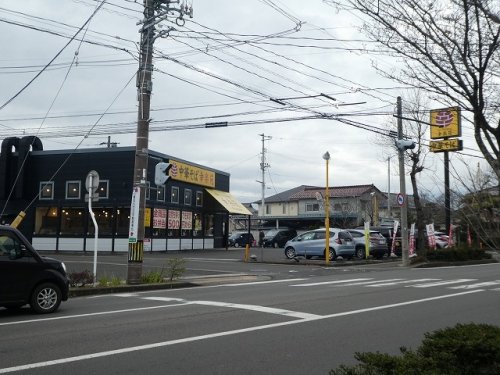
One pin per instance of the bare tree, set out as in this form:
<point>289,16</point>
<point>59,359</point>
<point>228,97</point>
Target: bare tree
<point>450,48</point>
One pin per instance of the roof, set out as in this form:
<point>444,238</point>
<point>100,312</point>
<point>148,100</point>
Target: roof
<point>285,195</point>
<point>337,192</point>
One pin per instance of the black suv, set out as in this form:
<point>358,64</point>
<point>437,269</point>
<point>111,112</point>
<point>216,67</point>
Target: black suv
<point>28,278</point>
<point>278,237</point>
<point>238,239</point>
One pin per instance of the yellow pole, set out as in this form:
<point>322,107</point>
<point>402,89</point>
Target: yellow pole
<point>327,213</point>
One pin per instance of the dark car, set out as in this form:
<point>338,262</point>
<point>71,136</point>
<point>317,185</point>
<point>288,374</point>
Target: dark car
<point>278,237</point>
<point>238,239</point>
<point>387,232</point>
<point>28,278</point>
<point>378,243</point>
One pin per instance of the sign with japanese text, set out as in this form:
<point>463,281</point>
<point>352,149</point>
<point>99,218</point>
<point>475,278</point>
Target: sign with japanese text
<point>159,218</point>
<point>134,215</point>
<point>191,174</point>
<point>174,219</point>
<point>445,123</point>
<point>147,217</point>
<point>187,220</point>
<point>453,144</point>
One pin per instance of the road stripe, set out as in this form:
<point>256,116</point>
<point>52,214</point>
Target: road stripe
<point>367,283</point>
<point>90,314</point>
<point>261,282</point>
<point>331,282</point>
<point>477,285</point>
<point>400,282</point>
<point>440,283</point>
<point>221,334</point>
<point>269,310</point>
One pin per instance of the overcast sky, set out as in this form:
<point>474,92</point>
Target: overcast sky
<point>205,73</point>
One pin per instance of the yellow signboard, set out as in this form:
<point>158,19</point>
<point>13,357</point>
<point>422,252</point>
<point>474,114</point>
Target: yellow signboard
<point>445,123</point>
<point>189,173</point>
<point>454,144</point>
<point>147,217</point>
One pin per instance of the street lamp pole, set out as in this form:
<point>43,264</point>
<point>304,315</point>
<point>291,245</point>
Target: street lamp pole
<point>326,156</point>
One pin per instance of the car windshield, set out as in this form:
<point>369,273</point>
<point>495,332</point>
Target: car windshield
<point>272,232</point>
<point>235,235</point>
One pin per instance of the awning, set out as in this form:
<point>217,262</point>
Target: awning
<point>229,202</point>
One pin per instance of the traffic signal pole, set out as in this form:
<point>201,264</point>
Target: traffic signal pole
<point>144,88</point>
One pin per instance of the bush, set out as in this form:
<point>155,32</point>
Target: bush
<point>175,268</point>
<point>153,277</point>
<point>80,279</point>
<point>457,254</point>
<point>465,349</point>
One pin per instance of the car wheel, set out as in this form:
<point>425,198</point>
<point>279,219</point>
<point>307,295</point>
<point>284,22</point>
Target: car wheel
<point>360,252</point>
<point>276,245</point>
<point>45,298</point>
<point>290,252</point>
<point>236,244</point>
<point>331,254</point>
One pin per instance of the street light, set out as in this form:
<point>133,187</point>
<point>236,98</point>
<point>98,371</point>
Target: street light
<point>326,156</point>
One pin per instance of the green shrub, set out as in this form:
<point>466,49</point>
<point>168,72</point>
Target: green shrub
<point>80,279</point>
<point>175,268</point>
<point>103,281</point>
<point>115,281</point>
<point>457,254</point>
<point>465,349</point>
<point>153,277</point>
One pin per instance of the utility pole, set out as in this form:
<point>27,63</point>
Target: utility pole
<point>163,9</point>
<point>402,187</point>
<point>389,186</point>
<point>263,167</point>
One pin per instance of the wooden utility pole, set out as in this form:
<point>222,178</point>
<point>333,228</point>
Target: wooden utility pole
<point>144,88</point>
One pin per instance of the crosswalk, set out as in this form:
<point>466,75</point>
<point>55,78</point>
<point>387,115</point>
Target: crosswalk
<point>459,284</point>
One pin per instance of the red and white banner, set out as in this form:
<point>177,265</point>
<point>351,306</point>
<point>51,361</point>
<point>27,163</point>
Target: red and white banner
<point>451,243</point>
<point>174,219</point>
<point>412,241</point>
<point>159,218</point>
<point>393,247</point>
<point>187,220</point>
<point>431,237</point>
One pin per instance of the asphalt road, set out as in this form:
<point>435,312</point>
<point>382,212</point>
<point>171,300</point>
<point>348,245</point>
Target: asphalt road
<point>286,325</point>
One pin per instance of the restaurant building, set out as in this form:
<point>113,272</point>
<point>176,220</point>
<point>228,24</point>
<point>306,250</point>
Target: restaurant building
<point>191,211</point>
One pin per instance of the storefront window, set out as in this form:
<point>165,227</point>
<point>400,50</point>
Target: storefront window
<point>187,197</point>
<point>159,222</point>
<point>122,221</point>
<point>46,219</point>
<point>187,223</point>
<point>197,231</point>
<point>72,221</point>
<point>105,218</point>
<point>175,195</point>
<point>73,189</point>
<point>199,199</point>
<point>46,190</point>
<point>209,225</point>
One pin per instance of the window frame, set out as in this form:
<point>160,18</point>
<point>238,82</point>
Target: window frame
<point>44,184</point>
<point>79,189</point>
<point>107,189</point>
<point>188,197</point>
<point>172,195</point>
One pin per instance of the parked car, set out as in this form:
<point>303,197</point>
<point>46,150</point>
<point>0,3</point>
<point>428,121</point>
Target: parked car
<point>378,243</point>
<point>312,243</point>
<point>28,278</point>
<point>387,232</point>
<point>278,237</point>
<point>238,239</point>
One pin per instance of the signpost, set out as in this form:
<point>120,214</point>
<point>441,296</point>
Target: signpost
<point>91,184</point>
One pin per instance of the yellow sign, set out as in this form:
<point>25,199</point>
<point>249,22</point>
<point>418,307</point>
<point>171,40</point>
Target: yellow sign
<point>147,217</point>
<point>454,144</point>
<point>445,123</point>
<point>194,175</point>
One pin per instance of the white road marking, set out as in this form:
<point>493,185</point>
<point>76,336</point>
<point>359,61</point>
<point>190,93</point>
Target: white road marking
<point>262,282</point>
<point>367,283</point>
<point>332,282</point>
<point>400,282</point>
<point>477,285</point>
<point>440,283</point>
<point>221,334</point>
<point>91,314</point>
<point>269,310</point>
